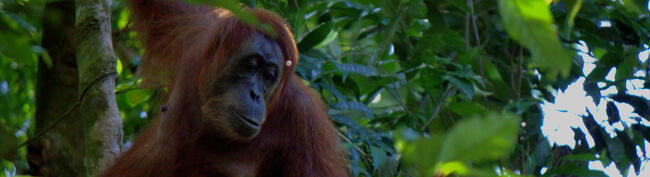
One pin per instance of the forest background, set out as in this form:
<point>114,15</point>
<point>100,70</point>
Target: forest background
<point>415,87</point>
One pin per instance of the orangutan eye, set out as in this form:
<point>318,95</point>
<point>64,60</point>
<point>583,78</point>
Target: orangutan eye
<point>251,64</point>
<point>269,75</point>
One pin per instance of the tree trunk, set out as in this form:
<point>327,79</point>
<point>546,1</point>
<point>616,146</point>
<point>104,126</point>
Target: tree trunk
<point>58,152</point>
<point>97,71</point>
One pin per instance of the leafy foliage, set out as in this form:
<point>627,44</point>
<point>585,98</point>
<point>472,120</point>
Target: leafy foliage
<point>418,87</point>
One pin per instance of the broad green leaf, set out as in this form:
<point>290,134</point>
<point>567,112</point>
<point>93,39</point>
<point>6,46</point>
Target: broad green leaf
<point>16,47</point>
<point>346,107</point>
<point>530,23</point>
<point>636,5</point>
<point>580,157</point>
<point>462,5</point>
<point>379,156</point>
<point>605,63</point>
<point>315,37</point>
<point>625,69</point>
<point>575,6</point>
<point>135,97</point>
<point>467,108</point>
<point>488,137</point>
<point>455,167</point>
<point>119,67</point>
<point>422,153</point>
<point>349,68</point>
<point>123,19</point>
<point>464,85</point>
<point>574,169</point>
<point>331,36</point>
<point>23,24</point>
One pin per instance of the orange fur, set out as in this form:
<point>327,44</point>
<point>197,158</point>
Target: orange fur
<point>183,43</point>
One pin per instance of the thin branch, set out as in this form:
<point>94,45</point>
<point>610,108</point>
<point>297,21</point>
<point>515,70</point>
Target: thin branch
<point>512,72</point>
<point>443,95</point>
<point>388,38</point>
<point>355,146</point>
<point>65,114</point>
<point>467,29</point>
<point>56,122</point>
<point>470,3</point>
<point>519,71</point>
<point>408,40</point>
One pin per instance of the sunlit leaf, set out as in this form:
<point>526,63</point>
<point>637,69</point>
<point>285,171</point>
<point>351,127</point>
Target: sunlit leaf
<point>456,168</point>
<point>119,67</point>
<point>487,137</point>
<point>575,6</point>
<point>138,96</point>
<point>531,24</point>
<point>423,153</point>
<point>123,19</point>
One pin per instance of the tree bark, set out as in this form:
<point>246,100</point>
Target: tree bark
<point>58,152</point>
<point>97,71</point>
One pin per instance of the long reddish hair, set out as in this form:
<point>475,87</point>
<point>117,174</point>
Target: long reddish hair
<point>184,46</point>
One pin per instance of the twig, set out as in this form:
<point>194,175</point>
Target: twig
<point>65,114</point>
<point>355,146</point>
<point>470,3</point>
<point>519,72</point>
<point>56,122</point>
<point>467,19</point>
<point>443,95</point>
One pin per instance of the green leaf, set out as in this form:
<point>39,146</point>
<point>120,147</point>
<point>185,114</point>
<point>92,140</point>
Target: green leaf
<point>462,5</point>
<point>350,108</point>
<point>626,68</point>
<point>315,37</point>
<point>530,23</point>
<point>349,68</point>
<point>574,169</point>
<point>123,19</point>
<point>329,38</point>
<point>467,108</point>
<point>605,63</point>
<point>422,153</point>
<point>119,67</point>
<point>633,5</point>
<point>465,86</point>
<point>379,156</point>
<point>135,97</point>
<point>580,157</point>
<point>16,46</point>
<point>575,6</point>
<point>478,139</point>
<point>455,167</point>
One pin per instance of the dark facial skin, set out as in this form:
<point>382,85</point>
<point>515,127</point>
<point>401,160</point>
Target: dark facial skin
<point>241,90</point>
